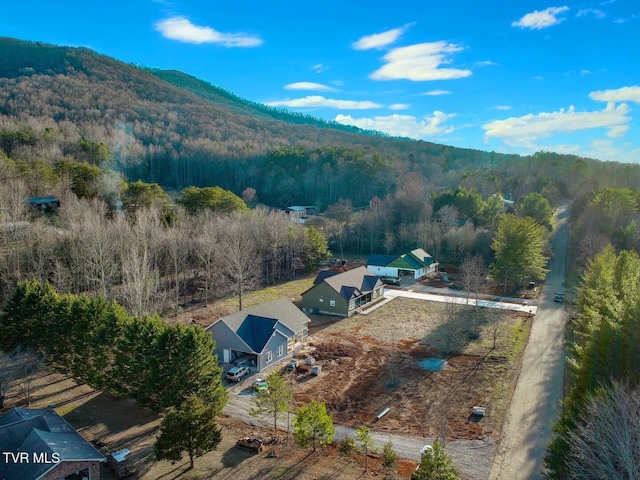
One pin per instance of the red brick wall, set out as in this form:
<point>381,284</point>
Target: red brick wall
<point>68,468</point>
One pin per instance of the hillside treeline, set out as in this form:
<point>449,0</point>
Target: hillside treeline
<point>152,253</point>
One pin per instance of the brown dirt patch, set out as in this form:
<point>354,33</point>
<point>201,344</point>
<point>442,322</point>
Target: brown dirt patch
<point>371,362</point>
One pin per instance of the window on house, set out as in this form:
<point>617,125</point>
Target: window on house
<point>321,300</point>
<point>269,356</point>
<point>280,350</point>
<point>332,303</point>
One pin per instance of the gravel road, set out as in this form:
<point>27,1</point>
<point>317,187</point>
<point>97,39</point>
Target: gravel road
<point>536,400</point>
<point>473,457</point>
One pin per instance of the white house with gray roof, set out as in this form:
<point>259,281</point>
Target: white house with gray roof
<point>260,336</point>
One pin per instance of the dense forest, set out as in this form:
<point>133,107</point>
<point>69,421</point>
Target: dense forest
<point>171,187</point>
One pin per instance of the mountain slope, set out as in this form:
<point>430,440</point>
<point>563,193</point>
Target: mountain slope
<point>170,128</point>
<point>224,98</point>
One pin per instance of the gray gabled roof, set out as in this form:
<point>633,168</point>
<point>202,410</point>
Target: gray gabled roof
<point>423,257</point>
<point>352,283</point>
<point>256,325</point>
<point>256,331</point>
<point>42,432</point>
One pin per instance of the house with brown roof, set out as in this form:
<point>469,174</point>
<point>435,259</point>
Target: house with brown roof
<point>41,445</point>
<point>342,293</point>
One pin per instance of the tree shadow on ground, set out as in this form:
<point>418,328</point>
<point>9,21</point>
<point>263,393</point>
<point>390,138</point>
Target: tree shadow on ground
<point>458,327</point>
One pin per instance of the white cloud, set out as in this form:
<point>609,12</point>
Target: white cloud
<point>435,93</point>
<point>624,94</point>
<point>181,29</point>
<point>594,12</point>
<point>403,125</point>
<point>617,131</point>
<point>379,40</point>
<point>319,101</point>
<point>608,150</point>
<point>486,63</point>
<point>399,106</point>
<point>420,62</point>
<point>585,72</point>
<point>502,107</point>
<point>309,86</point>
<point>538,20</point>
<point>319,68</point>
<point>525,130</point>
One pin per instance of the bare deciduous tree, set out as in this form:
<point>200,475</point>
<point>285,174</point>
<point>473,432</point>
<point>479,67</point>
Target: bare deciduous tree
<point>240,262</point>
<point>206,248</point>
<point>19,368</point>
<point>606,443</point>
<point>454,327</point>
<point>474,272</point>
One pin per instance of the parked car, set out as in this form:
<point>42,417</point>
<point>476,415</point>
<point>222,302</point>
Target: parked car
<point>391,281</point>
<point>558,297</point>
<point>260,385</point>
<point>235,374</point>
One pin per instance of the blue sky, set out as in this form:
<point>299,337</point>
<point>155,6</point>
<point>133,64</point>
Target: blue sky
<point>515,77</point>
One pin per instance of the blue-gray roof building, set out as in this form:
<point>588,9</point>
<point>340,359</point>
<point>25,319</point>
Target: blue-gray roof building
<point>260,336</point>
<point>41,445</point>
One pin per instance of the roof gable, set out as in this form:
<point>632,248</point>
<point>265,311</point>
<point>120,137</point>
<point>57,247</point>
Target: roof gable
<point>355,282</point>
<point>255,325</point>
<point>403,263</point>
<point>41,431</point>
<point>421,256</point>
<point>256,331</point>
<point>350,292</point>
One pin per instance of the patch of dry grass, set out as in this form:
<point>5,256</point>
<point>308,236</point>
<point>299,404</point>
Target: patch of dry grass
<point>219,308</point>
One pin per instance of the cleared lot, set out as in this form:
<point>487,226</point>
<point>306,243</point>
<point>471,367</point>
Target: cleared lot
<point>376,361</point>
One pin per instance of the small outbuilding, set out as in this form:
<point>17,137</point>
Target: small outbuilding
<point>44,204</point>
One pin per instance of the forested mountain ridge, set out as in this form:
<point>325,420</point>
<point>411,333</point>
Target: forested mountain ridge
<point>166,127</point>
<point>225,98</point>
<point>169,128</point>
